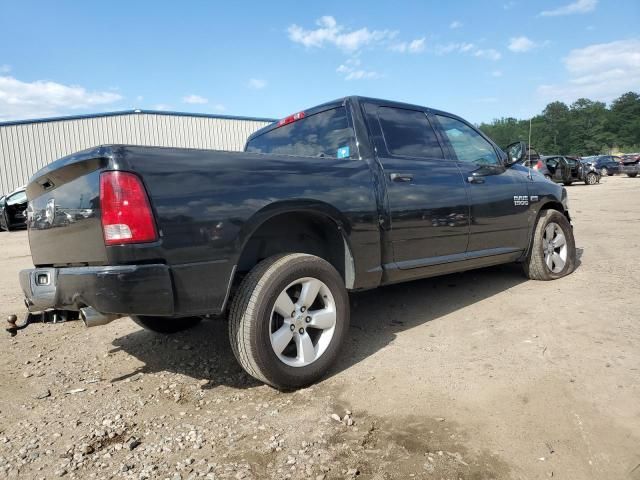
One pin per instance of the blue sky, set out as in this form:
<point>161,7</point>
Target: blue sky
<point>479,59</point>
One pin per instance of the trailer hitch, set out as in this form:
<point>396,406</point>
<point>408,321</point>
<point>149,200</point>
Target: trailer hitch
<point>13,325</point>
<point>51,316</point>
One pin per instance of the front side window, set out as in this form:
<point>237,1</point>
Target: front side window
<point>324,134</point>
<point>20,197</point>
<point>468,145</point>
<point>408,133</point>
<point>552,162</point>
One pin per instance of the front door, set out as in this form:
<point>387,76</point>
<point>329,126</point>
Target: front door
<point>426,194</point>
<point>498,195</point>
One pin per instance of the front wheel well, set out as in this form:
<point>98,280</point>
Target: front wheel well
<point>552,205</point>
<point>298,232</point>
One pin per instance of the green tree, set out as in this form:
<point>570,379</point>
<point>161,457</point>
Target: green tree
<point>586,127</point>
<point>624,120</point>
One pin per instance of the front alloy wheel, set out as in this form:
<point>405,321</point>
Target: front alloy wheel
<point>554,245</point>
<point>604,171</point>
<point>553,249</point>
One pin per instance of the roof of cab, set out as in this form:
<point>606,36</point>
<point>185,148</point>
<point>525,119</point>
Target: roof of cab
<point>341,101</point>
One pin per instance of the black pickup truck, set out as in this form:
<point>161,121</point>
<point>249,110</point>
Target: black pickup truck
<point>350,195</point>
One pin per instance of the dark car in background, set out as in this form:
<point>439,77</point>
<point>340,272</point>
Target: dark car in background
<point>563,169</point>
<point>607,165</point>
<point>13,210</point>
<point>630,164</point>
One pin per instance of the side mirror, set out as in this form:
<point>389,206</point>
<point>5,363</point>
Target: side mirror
<point>516,152</point>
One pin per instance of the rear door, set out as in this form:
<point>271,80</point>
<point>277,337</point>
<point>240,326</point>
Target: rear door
<point>498,196</point>
<point>427,200</point>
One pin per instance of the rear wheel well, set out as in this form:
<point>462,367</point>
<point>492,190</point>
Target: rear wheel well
<point>298,232</point>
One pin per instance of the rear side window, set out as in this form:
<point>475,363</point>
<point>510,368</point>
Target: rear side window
<point>325,134</point>
<point>408,133</point>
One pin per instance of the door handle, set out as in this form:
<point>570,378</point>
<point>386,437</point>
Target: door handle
<point>401,177</point>
<point>475,179</point>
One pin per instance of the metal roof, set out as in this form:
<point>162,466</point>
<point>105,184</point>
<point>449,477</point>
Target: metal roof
<point>133,112</point>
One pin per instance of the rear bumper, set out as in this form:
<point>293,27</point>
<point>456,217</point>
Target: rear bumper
<point>130,290</point>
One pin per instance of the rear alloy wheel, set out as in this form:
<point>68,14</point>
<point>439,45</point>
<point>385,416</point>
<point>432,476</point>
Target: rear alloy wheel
<point>166,325</point>
<point>604,171</point>
<point>553,251</point>
<point>288,320</point>
<point>591,179</point>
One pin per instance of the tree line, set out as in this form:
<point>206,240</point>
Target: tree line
<point>585,127</point>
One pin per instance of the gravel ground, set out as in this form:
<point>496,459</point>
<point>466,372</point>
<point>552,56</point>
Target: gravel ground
<point>474,376</point>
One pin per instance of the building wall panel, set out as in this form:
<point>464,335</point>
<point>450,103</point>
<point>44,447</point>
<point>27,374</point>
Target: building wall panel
<point>26,147</point>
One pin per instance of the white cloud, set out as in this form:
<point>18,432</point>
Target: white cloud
<point>455,24</point>
<point>21,100</point>
<point>454,47</point>
<point>579,6</point>
<point>257,84</point>
<point>489,54</point>
<point>496,73</point>
<point>468,48</point>
<point>195,100</point>
<point>599,72</point>
<point>329,32</point>
<point>352,70</point>
<point>5,68</point>
<point>521,44</point>
<point>414,46</point>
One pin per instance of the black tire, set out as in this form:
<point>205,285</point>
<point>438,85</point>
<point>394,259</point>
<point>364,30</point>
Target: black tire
<point>7,225</point>
<point>166,325</point>
<point>632,175</point>
<point>567,183</point>
<point>534,266</point>
<point>250,319</point>
<point>591,179</point>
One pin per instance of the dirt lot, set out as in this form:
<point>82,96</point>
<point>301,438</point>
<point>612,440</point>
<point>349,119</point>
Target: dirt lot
<point>473,376</point>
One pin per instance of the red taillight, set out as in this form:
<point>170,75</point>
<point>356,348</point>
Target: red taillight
<point>538,165</point>
<point>291,118</point>
<point>126,213</point>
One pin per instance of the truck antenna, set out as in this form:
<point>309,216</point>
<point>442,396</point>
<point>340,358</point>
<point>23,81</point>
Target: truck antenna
<point>529,151</point>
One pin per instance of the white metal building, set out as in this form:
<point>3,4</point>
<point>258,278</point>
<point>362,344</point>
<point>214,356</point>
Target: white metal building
<point>26,146</point>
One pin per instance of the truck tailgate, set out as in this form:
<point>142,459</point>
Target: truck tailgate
<point>64,212</point>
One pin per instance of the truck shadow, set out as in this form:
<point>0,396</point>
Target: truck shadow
<point>377,316</point>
